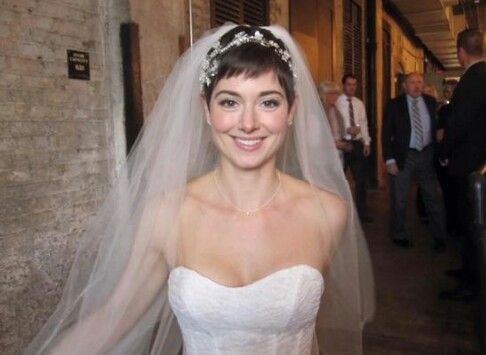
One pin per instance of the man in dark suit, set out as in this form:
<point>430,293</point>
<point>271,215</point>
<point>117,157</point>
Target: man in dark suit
<point>408,137</point>
<point>464,149</point>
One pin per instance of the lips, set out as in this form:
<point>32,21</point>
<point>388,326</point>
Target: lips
<point>249,144</point>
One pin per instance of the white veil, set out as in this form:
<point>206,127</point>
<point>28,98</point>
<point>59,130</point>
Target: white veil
<point>115,299</point>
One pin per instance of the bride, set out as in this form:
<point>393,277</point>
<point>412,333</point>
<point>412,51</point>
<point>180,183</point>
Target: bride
<point>232,224</point>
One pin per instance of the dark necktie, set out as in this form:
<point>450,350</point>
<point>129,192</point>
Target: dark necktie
<point>352,123</point>
<point>417,126</point>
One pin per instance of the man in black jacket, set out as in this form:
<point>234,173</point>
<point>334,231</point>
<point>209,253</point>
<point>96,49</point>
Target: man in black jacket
<point>408,135</point>
<point>464,149</point>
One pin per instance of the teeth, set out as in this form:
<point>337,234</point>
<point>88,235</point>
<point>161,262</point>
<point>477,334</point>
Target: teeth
<point>249,142</point>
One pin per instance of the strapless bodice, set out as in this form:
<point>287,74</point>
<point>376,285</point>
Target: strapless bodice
<point>274,315</point>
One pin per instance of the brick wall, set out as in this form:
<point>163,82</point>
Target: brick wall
<point>57,151</point>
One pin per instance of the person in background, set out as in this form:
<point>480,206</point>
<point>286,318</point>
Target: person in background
<point>328,93</point>
<point>408,137</point>
<point>447,91</point>
<point>356,128</point>
<point>430,89</point>
<point>448,194</point>
<point>464,149</point>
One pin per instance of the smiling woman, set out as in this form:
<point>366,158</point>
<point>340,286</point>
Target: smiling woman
<point>231,216</point>
<point>249,115</point>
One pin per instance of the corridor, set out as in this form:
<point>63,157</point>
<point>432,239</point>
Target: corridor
<point>410,319</point>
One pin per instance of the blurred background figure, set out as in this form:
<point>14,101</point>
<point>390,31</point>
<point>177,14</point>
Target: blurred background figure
<point>430,89</point>
<point>448,91</point>
<point>329,91</point>
<point>450,201</point>
<point>356,124</point>
<point>408,149</point>
<point>464,150</point>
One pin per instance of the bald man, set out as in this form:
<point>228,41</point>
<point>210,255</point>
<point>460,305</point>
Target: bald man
<point>408,135</point>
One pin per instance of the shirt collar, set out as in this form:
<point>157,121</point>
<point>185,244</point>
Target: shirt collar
<point>410,98</point>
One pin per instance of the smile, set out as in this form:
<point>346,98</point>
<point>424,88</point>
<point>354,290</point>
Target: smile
<point>248,144</point>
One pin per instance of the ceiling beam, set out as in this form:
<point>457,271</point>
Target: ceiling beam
<point>393,11</point>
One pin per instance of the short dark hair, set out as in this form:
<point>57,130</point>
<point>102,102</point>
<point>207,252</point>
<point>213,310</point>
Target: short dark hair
<point>348,76</point>
<point>472,41</point>
<point>253,60</point>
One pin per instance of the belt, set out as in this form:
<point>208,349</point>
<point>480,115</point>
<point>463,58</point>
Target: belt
<point>421,150</point>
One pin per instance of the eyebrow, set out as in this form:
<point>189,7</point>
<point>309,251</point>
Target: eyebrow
<point>263,93</point>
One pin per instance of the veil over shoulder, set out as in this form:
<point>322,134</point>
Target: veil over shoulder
<point>115,299</point>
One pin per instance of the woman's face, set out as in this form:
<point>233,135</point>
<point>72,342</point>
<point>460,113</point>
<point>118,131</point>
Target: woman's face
<point>249,118</point>
<point>331,98</point>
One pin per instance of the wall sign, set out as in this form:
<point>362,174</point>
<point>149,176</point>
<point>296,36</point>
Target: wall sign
<point>78,64</point>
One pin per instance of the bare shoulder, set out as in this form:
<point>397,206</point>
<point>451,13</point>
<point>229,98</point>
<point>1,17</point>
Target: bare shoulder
<point>329,209</point>
<point>333,204</point>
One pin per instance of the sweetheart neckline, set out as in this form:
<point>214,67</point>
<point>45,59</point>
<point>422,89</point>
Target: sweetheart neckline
<point>253,283</point>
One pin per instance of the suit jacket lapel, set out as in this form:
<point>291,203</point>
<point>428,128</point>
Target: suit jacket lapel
<point>405,116</point>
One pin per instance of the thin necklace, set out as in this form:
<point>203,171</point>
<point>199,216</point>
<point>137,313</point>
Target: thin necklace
<point>252,211</point>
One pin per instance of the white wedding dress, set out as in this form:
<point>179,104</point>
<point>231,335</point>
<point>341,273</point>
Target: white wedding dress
<point>274,315</point>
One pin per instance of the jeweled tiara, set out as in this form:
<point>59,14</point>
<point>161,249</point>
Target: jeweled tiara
<point>210,64</point>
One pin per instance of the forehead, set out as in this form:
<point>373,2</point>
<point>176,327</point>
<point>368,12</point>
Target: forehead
<point>414,78</point>
<point>263,82</point>
<point>350,81</point>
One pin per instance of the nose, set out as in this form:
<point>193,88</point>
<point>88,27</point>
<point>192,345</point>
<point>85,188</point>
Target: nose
<point>248,121</point>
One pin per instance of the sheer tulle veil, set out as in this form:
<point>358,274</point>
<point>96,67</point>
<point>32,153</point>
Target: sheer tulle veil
<point>110,303</point>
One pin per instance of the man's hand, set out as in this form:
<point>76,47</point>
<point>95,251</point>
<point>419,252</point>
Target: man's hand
<point>444,162</point>
<point>366,150</point>
<point>344,146</point>
<point>353,130</point>
<point>392,168</point>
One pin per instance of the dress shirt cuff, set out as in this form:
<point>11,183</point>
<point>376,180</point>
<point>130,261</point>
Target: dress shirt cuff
<point>390,161</point>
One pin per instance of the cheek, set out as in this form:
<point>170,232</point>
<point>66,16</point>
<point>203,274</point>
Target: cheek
<point>277,122</point>
<point>223,121</point>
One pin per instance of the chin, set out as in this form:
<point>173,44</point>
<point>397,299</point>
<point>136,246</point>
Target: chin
<point>249,163</point>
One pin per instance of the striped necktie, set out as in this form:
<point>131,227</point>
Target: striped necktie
<point>417,126</point>
<point>352,123</point>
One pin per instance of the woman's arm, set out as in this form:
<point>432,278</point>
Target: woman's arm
<point>141,282</point>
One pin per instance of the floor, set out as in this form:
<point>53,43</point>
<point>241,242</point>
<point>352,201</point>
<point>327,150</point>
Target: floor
<point>410,319</point>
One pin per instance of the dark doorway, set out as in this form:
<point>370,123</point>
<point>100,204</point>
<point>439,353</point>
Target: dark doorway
<point>132,82</point>
<point>386,63</point>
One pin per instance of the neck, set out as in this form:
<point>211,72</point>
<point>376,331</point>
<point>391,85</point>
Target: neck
<point>247,189</point>
<point>472,60</point>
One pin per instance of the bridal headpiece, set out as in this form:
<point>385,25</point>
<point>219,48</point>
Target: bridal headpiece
<point>210,65</point>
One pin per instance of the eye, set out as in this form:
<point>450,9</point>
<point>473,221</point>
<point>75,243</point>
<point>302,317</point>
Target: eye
<point>228,103</point>
<point>270,103</point>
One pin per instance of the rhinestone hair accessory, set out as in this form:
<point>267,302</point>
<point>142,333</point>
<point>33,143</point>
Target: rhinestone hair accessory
<point>210,64</point>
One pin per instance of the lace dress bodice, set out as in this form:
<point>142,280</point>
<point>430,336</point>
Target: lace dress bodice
<point>274,315</point>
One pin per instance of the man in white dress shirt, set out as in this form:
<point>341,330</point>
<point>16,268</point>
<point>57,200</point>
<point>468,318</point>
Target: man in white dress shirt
<point>353,112</point>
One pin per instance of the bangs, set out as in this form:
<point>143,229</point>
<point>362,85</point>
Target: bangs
<point>252,61</point>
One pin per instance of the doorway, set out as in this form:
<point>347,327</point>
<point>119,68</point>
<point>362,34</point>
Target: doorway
<point>311,24</point>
